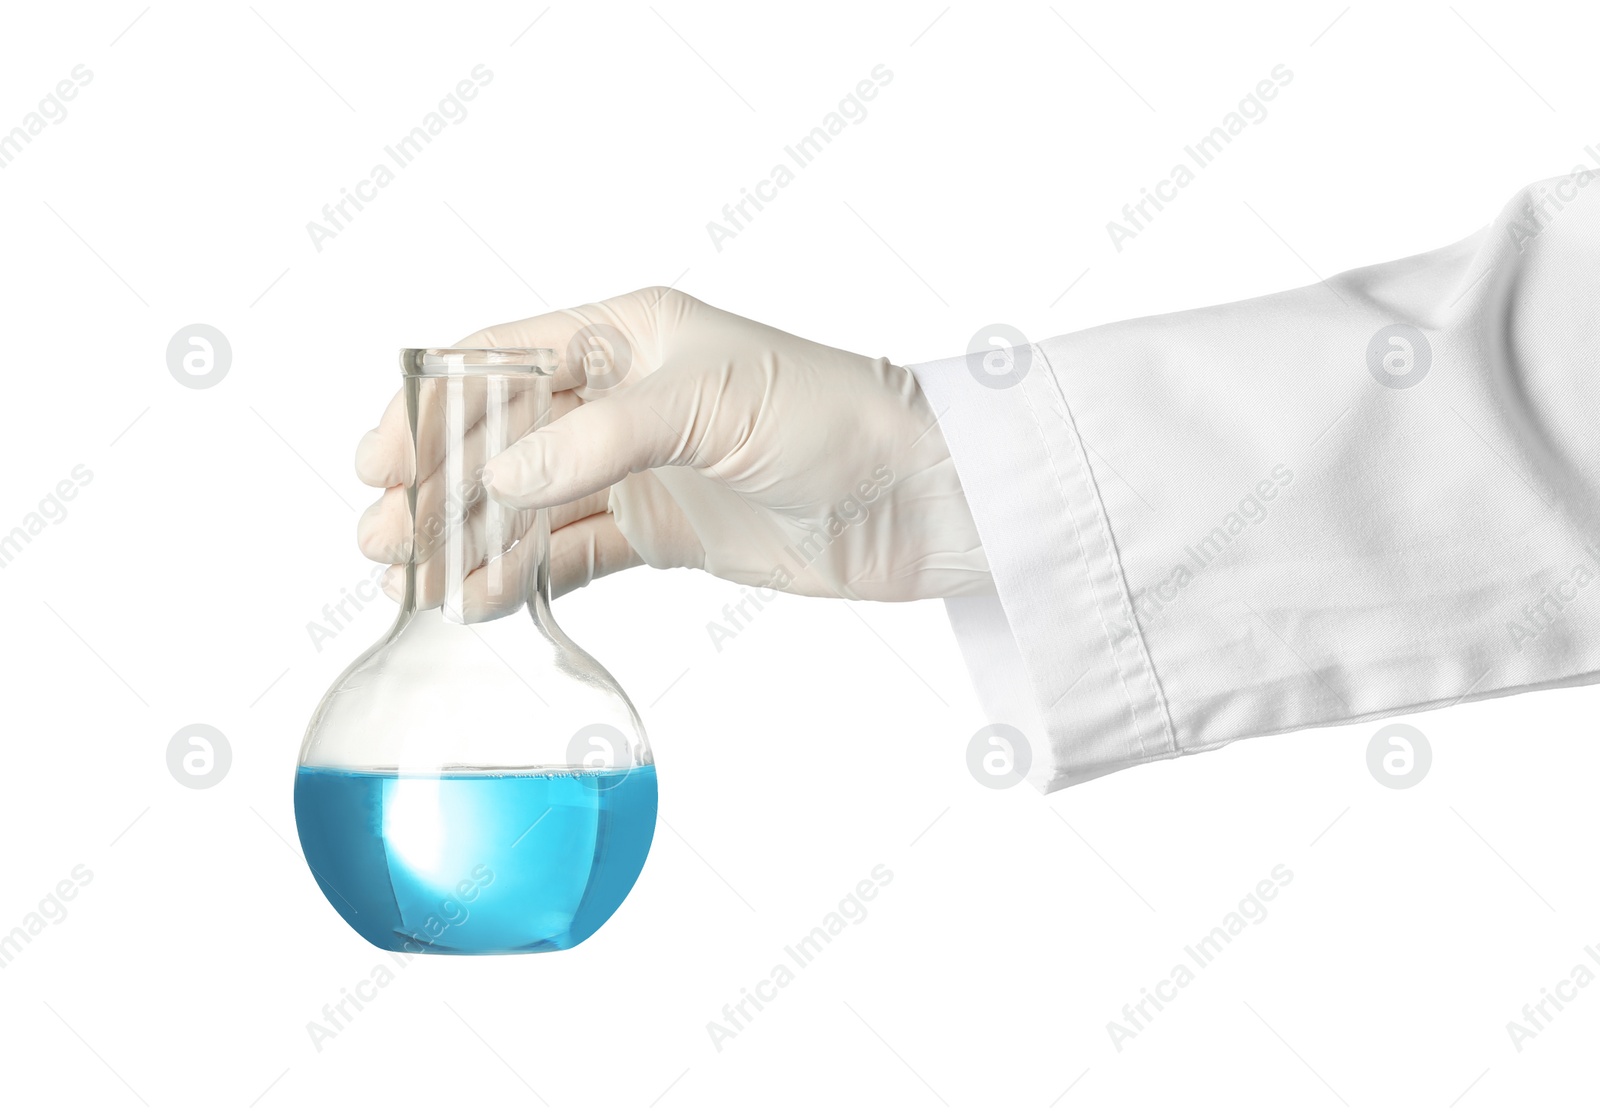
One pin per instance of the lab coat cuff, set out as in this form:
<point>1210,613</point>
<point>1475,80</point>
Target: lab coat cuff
<point>1056,653</point>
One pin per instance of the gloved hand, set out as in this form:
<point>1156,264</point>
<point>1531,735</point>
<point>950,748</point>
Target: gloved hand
<point>686,437</point>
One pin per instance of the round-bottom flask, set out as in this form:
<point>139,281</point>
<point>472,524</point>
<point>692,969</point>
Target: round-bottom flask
<point>475,783</point>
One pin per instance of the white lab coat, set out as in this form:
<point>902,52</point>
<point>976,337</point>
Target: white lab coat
<point>1242,520</point>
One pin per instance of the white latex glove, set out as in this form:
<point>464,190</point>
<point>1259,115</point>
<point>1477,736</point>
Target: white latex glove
<point>686,437</point>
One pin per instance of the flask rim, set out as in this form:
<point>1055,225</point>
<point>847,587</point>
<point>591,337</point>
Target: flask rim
<point>456,363</point>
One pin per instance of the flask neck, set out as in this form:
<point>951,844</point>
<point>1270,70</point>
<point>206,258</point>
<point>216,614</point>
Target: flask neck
<point>472,556</point>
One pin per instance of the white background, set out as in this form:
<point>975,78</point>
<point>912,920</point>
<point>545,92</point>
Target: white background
<point>825,739</point>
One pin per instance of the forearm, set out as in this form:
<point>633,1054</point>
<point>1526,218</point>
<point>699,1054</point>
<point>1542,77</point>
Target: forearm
<point>1369,495</point>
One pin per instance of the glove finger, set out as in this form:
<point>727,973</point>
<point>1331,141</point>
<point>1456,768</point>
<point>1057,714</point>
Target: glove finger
<point>580,553</point>
<point>384,457</point>
<point>489,531</point>
<point>587,550</point>
<point>581,549</point>
<point>554,331</point>
<point>384,533</point>
<point>658,422</point>
<point>568,513</point>
<point>598,347</point>
<point>648,515</point>
<point>451,419</point>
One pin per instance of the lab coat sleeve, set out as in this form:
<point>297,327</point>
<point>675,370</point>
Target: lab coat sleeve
<point>1377,494</point>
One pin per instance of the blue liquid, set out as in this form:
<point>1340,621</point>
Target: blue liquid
<point>475,863</point>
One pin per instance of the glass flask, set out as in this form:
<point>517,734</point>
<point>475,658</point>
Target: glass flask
<point>475,783</point>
